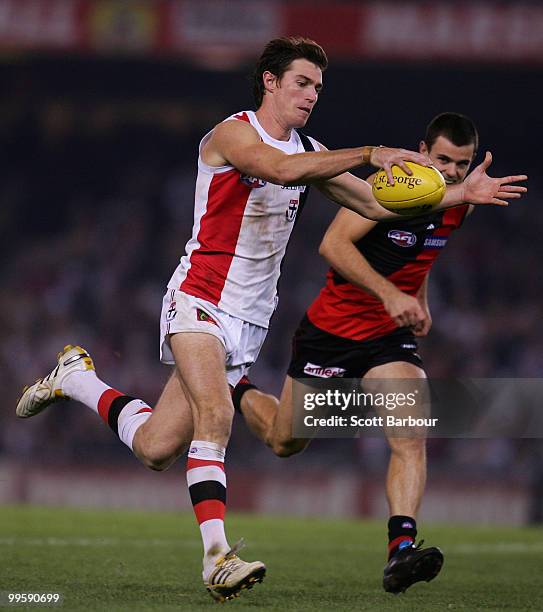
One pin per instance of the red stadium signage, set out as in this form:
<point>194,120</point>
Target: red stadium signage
<point>40,23</point>
<point>242,23</point>
<point>217,31</point>
<point>117,26</point>
<point>429,31</point>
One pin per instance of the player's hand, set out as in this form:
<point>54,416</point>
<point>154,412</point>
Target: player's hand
<point>423,327</point>
<point>479,188</point>
<point>405,310</point>
<point>386,157</point>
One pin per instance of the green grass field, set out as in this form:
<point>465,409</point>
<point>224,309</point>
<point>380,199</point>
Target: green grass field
<point>103,560</point>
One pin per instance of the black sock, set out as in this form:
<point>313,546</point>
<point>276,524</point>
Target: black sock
<point>237,392</point>
<point>402,531</point>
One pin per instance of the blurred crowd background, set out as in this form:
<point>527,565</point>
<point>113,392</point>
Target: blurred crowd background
<point>99,149</point>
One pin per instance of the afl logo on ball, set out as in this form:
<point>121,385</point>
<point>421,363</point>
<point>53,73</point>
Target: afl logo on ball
<point>402,238</point>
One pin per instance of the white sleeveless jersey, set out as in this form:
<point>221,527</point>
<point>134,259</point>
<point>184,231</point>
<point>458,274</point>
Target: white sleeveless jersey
<point>242,225</point>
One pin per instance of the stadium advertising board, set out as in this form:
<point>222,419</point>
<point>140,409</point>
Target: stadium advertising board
<point>490,32</point>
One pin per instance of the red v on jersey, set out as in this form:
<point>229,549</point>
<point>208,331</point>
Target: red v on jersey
<point>219,231</point>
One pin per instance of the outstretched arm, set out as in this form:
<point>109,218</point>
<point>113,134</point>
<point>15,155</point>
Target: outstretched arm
<point>478,188</point>
<point>238,144</point>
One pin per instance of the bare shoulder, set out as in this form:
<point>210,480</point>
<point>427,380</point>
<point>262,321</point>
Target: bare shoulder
<point>235,129</point>
<point>224,137</point>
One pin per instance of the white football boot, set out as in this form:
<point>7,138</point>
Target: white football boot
<point>230,575</point>
<point>47,390</point>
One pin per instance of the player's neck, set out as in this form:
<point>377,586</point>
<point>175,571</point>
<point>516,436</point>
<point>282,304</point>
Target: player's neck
<point>272,124</point>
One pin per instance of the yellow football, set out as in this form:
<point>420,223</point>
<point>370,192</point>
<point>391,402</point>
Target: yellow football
<point>410,195</point>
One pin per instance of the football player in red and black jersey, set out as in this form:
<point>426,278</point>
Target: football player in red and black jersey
<point>365,323</point>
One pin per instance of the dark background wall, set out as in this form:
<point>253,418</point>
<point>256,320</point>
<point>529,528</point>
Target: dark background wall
<point>96,189</point>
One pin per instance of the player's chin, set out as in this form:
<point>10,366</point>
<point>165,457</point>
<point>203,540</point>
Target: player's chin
<point>300,120</point>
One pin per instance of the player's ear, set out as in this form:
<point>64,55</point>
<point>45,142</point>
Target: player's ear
<point>270,80</point>
<point>423,148</point>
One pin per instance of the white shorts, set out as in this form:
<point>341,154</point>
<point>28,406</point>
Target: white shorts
<point>242,341</point>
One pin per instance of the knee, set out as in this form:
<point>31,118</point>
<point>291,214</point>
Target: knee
<point>408,447</point>
<point>157,455</point>
<point>287,448</point>
<point>157,463</point>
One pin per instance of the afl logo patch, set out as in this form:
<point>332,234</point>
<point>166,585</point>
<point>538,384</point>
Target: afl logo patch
<point>402,238</point>
<point>252,181</point>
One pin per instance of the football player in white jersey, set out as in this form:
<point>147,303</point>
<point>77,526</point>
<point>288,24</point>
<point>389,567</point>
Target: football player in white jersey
<point>204,330</point>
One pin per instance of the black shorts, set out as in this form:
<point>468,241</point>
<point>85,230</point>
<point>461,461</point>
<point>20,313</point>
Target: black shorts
<point>319,354</point>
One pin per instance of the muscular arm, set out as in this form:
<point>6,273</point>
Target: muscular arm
<point>338,248</point>
<point>422,293</point>
<point>356,195</point>
<point>479,188</point>
<point>237,143</point>
<point>423,327</point>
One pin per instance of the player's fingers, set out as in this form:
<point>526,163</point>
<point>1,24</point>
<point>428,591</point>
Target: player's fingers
<point>426,161</point>
<point>514,179</point>
<point>499,202</point>
<point>405,167</point>
<point>513,188</point>
<point>417,158</point>
<point>507,195</point>
<point>402,320</point>
<point>388,169</point>
<point>416,317</point>
<point>487,160</point>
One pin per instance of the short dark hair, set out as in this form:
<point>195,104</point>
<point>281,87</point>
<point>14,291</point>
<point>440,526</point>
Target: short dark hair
<point>278,55</point>
<point>459,129</point>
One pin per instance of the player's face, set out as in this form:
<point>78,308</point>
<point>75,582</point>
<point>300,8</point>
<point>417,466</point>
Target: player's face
<point>452,161</point>
<point>298,91</point>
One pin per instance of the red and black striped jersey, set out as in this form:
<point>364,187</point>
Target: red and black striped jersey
<point>403,251</point>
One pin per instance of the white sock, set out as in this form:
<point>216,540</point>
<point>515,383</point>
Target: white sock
<point>207,487</point>
<point>214,541</point>
<point>85,387</point>
<point>130,419</point>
